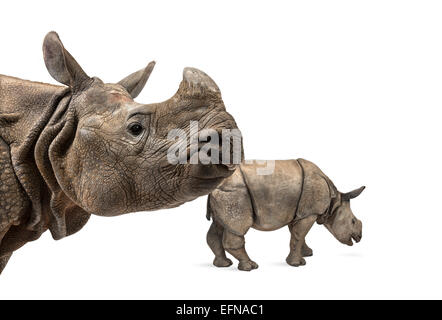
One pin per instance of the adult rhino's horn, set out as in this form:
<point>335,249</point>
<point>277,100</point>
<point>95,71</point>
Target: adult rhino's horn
<point>352,194</point>
<point>196,84</point>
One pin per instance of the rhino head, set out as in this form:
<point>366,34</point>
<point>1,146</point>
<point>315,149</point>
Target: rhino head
<point>108,155</point>
<point>343,224</point>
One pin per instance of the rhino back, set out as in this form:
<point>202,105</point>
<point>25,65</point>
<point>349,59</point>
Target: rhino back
<point>318,190</point>
<point>275,196</point>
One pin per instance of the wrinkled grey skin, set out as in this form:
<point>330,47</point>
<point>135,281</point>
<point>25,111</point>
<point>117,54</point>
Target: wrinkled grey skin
<point>296,195</point>
<point>88,148</point>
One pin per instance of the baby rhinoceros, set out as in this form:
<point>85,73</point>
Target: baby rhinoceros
<point>296,194</point>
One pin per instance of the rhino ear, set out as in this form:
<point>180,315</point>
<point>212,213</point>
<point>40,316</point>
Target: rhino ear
<point>135,82</point>
<point>352,194</point>
<point>60,64</point>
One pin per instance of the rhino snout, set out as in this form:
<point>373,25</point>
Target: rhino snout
<point>214,157</point>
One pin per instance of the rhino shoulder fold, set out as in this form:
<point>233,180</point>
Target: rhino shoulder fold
<point>231,206</point>
<point>318,190</point>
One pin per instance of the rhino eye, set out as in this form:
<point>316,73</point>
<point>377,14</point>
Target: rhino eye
<point>353,221</point>
<point>135,129</point>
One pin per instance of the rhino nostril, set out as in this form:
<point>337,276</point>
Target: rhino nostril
<point>357,237</point>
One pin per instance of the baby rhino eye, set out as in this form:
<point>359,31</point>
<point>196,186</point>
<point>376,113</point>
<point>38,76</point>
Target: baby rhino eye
<point>135,129</point>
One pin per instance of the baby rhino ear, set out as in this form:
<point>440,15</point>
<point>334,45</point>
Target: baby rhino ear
<point>135,82</point>
<point>60,64</point>
<point>352,194</point>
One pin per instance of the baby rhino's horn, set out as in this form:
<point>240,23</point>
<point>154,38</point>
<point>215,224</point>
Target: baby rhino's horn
<point>196,84</point>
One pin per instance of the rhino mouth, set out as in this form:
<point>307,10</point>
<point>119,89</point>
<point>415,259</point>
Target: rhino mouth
<point>191,153</point>
<point>231,167</point>
<point>211,171</point>
<point>356,238</point>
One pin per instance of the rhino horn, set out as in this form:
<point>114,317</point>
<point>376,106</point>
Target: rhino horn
<point>352,194</point>
<point>135,82</point>
<point>197,83</point>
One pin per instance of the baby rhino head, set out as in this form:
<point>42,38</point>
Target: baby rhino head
<point>343,224</point>
<point>112,155</point>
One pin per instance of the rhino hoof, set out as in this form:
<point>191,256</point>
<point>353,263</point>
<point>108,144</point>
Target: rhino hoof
<point>222,262</point>
<point>295,262</point>
<point>247,265</point>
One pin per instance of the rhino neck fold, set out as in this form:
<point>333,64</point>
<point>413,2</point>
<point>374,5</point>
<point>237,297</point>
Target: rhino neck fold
<point>335,202</point>
<point>24,159</point>
<point>64,217</point>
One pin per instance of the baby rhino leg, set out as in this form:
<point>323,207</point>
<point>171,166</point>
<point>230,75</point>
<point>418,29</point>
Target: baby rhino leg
<point>234,245</point>
<point>299,230</point>
<point>215,242</point>
<point>4,261</point>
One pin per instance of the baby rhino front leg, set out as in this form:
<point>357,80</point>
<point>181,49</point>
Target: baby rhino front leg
<point>298,247</point>
<point>234,245</point>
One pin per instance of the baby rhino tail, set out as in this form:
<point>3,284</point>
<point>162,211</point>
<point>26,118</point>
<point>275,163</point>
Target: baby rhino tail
<point>209,210</point>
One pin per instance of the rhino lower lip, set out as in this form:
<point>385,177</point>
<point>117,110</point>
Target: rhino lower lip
<point>231,167</point>
<point>211,171</point>
<point>191,152</point>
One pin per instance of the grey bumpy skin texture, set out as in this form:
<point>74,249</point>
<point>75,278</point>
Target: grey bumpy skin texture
<point>88,148</point>
<point>296,195</point>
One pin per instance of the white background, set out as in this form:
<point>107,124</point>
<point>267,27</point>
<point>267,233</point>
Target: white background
<point>354,86</point>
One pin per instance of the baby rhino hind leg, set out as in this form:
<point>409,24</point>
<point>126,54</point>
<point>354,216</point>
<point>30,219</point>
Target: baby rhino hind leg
<point>215,242</point>
<point>234,245</point>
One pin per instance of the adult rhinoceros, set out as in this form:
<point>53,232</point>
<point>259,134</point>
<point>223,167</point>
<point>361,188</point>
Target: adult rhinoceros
<point>297,194</point>
<point>67,152</point>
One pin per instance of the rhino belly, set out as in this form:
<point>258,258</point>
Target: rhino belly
<point>274,196</point>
